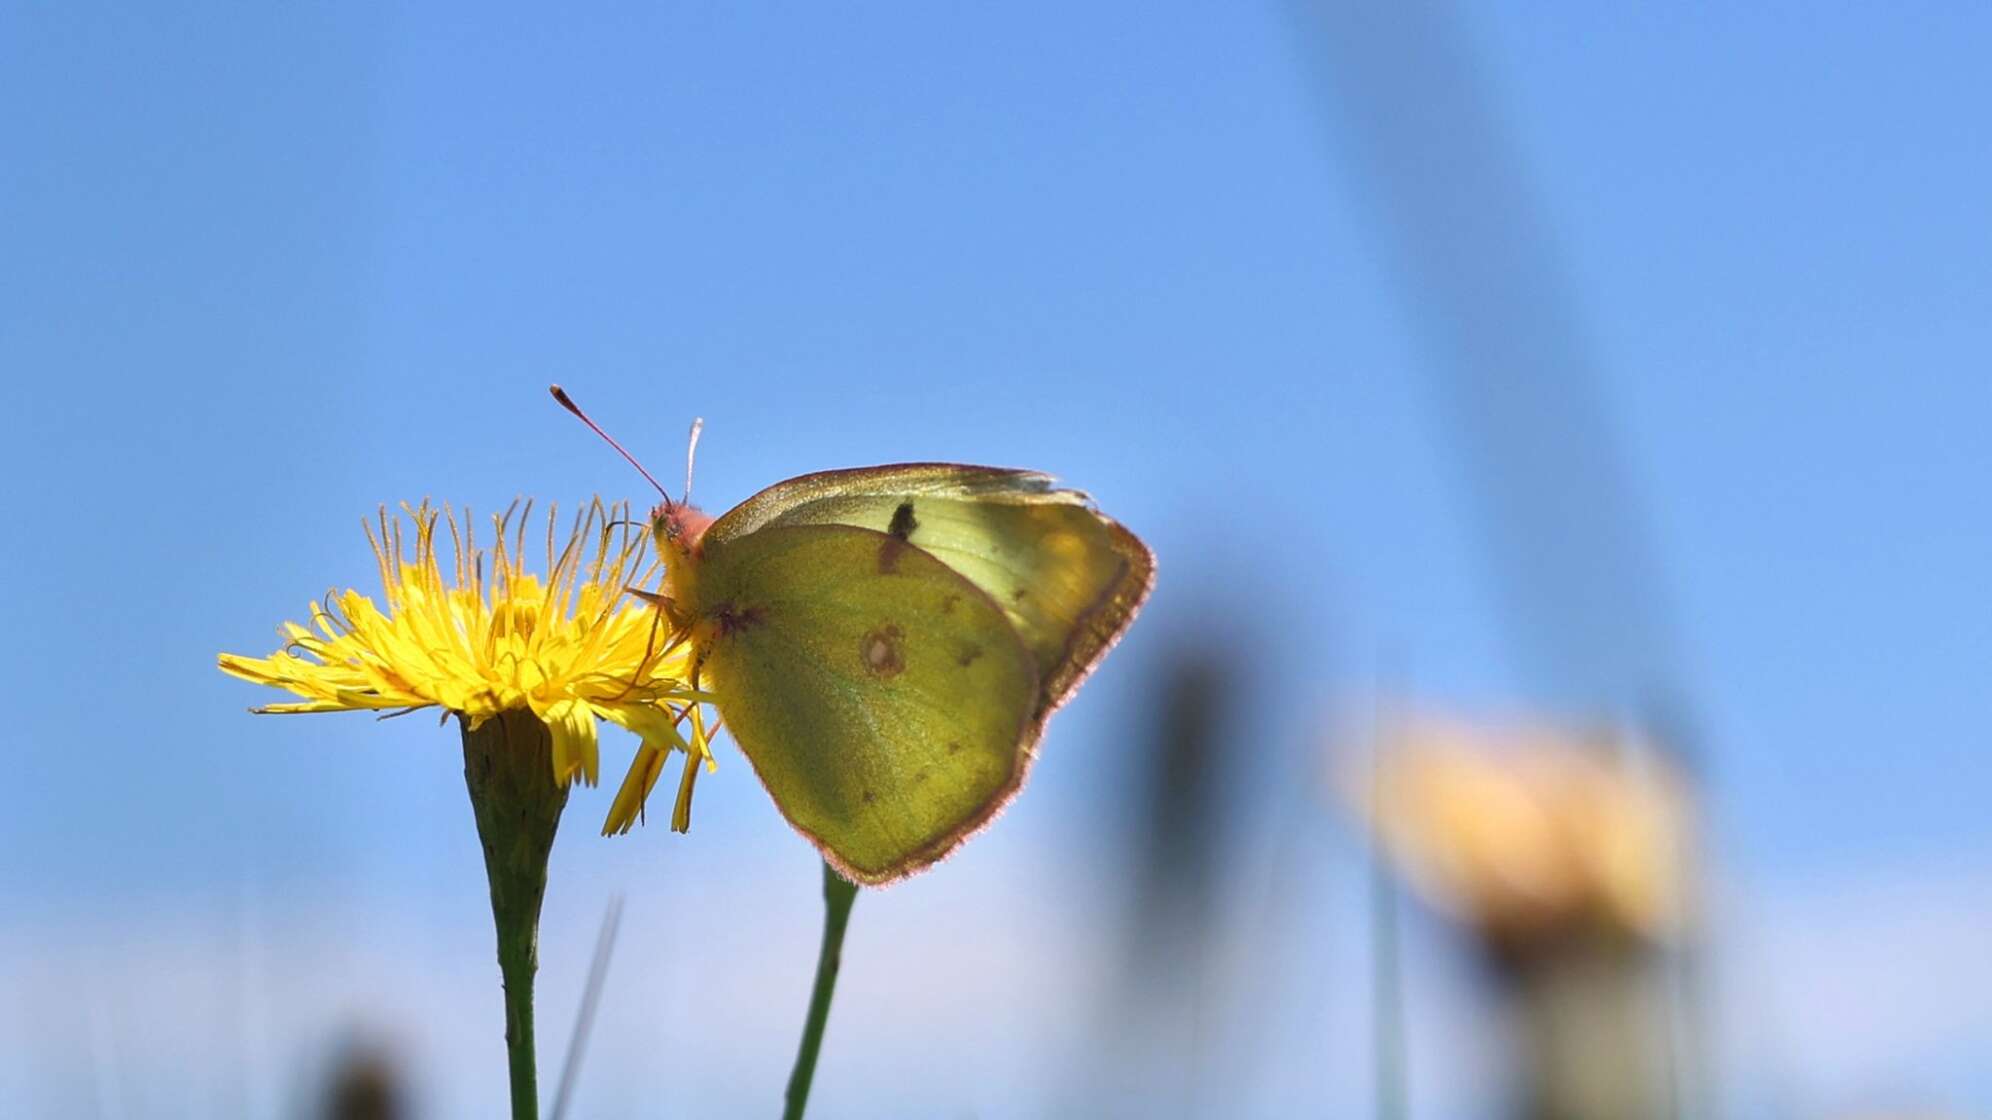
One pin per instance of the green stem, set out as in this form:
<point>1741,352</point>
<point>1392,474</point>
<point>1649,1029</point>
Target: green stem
<point>507,766</point>
<point>838,894</point>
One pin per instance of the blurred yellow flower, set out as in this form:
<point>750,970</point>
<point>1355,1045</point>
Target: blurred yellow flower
<point>1529,833</point>
<point>570,649</point>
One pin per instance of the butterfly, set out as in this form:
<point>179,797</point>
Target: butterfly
<point>886,644</point>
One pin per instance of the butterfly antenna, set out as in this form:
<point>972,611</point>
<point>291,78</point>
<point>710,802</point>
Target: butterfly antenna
<point>567,403</point>
<point>691,453</point>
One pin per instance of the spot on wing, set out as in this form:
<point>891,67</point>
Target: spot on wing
<point>948,603</point>
<point>968,655</point>
<point>901,528</point>
<point>882,651</point>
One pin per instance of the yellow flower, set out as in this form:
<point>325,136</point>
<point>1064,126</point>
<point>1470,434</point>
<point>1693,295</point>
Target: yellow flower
<point>571,648</point>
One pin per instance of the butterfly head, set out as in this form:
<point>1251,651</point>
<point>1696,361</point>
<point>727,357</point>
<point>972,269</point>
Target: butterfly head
<point>677,528</point>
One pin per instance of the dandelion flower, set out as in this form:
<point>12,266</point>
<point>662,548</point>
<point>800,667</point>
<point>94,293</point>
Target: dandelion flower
<point>570,648</point>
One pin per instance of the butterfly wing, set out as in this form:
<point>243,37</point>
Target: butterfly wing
<point>1068,578</point>
<point>886,702</point>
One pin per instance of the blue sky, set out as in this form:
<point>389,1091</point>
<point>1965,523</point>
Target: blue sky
<point>262,271</point>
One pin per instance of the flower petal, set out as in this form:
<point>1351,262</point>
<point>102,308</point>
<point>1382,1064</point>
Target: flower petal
<point>574,748</point>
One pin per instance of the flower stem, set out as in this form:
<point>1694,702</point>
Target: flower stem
<point>838,894</point>
<point>507,765</point>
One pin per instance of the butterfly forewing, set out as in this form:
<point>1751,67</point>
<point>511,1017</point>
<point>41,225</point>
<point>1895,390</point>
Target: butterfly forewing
<point>886,701</point>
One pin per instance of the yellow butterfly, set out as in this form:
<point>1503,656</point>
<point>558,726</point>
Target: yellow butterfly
<point>886,643</point>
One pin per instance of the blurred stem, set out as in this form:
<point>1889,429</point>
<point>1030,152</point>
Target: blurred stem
<point>507,766</point>
<point>838,895</point>
<point>1595,1033</point>
<point>1387,981</point>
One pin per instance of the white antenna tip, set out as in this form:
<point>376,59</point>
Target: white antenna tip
<point>691,453</point>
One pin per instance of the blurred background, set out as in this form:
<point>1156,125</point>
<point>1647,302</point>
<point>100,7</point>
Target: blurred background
<point>1617,373</point>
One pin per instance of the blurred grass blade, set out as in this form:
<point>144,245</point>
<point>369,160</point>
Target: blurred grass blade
<point>591,997</point>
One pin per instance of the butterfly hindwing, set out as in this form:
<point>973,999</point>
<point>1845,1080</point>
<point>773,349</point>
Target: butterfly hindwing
<point>888,703</point>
